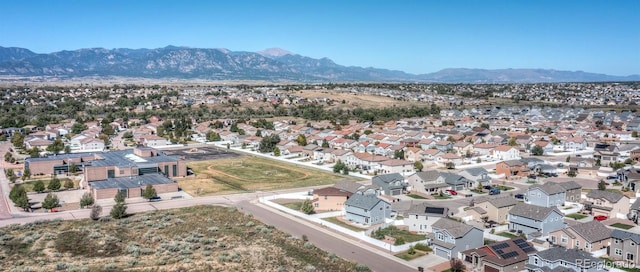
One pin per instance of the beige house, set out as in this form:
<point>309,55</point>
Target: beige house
<point>607,203</point>
<point>495,209</point>
<point>330,199</point>
<point>590,236</point>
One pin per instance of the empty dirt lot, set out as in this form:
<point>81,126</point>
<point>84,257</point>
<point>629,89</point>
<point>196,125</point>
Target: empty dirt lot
<point>202,153</point>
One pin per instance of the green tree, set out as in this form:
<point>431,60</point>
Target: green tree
<point>17,140</point>
<point>399,154</point>
<point>68,184</point>
<point>306,207</point>
<point>212,136</point>
<point>16,191</point>
<point>56,147</point>
<point>276,151</point>
<point>268,143</point>
<point>120,209</point>
<point>86,200</point>
<point>338,166</point>
<point>345,170</point>
<point>50,201</point>
<point>78,127</point>
<point>302,140</point>
<point>450,165</point>
<point>8,156</point>
<point>73,168</point>
<point>418,166</point>
<point>537,150</point>
<point>568,159</point>
<point>602,185</point>
<point>512,142</point>
<point>34,152</point>
<point>10,175</point>
<point>38,186</point>
<point>22,201</point>
<point>67,149</point>
<point>634,134</point>
<point>325,144</point>
<point>54,184</point>
<point>149,192</point>
<point>26,174</point>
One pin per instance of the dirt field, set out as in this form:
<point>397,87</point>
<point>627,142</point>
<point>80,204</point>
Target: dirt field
<point>356,100</point>
<point>203,238</point>
<point>202,153</point>
<point>251,174</point>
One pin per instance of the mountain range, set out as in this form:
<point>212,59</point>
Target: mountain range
<point>272,64</point>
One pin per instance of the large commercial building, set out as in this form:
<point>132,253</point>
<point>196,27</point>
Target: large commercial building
<point>106,173</point>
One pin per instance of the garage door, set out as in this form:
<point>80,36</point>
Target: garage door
<point>442,253</point>
<point>490,269</point>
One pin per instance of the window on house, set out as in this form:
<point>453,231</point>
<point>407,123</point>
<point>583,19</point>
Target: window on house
<point>416,216</point>
<point>121,171</point>
<point>629,257</point>
<point>633,244</point>
<point>618,251</point>
<point>553,239</point>
<point>615,241</point>
<point>563,239</point>
<point>440,237</point>
<point>315,205</point>
<point>535,261</point>
<point>577,243</point>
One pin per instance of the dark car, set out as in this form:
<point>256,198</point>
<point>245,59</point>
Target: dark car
<point>154,199</point>
<point>487,187</point>
<point>532,176</point>
<point>519,196</point>
<point>612,177</point>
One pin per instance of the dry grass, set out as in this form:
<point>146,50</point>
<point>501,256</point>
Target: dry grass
<point>356,100</point>
<point>203,238</point>
<point>252,174</point>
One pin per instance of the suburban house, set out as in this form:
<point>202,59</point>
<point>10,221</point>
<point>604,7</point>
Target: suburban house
<point>477,175</point>
<point>421,216</point>
<point>450,237</point>
<point>505,256</point>
<point>330,199</point>
<point>575,144</point>
<point>625,246</point>
<point>505,153</point>
<point>547,147</point>
<point>512,169</point>
<point>390,184</point>
<point>562,259</point>
<point>396,166</point>
<point>546,195</point>
<point>531,218</point>
<point>365,207</point>
<point>631,179</point>
<point>492,209</point>
<point>426,182</point>
<point>572,190</point>
<point>606,153</point>
<point>610,204</point>
<point>590,236</point>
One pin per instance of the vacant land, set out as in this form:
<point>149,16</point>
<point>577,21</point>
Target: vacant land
<point>252,174</point>
<point>203,238</point>
<point>353,100</point>
<point>343,224</point>
<point>402,236</point>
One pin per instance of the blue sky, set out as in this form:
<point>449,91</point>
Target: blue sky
<point>412,36</point>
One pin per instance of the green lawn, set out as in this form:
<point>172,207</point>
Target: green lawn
<point>438,196</point>
<point>622,226</point>
<point>342,224</point>
<point>576,216</point>
<point>504,188</point>
<point>507,234</point>
<point>478,191</point>
<point>293,205</point>
<point>408,257</point>
<point>416,196</point>
<point>397,233</point>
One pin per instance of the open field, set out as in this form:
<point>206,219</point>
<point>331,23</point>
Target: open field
<point>357,100</point>
<point>202,238</point>
<point>252,174</point>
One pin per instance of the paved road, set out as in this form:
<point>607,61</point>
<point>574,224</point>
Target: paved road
<point>344,247</point>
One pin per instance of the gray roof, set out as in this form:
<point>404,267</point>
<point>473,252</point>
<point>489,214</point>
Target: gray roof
<point>531,211</point>
<point>131,182</point>
<point>592,231</point>
<point>531,159</point>
<point>61,157</point>
<point>567,255</point>
<point>549,188</point>
<point>424,208</point>
<point>455,228</point>
<point>569,185</point>
<point>501,201</point>
<point>348,186</point>
<point>635,205</point>
<point>363,200</point>
<point>453,179</point>
<point>428,175</point>
<point>121,158</point>
<point>624,235</point>
<point>387,178</point>
<point>476,171</point>
<point>612,197</point>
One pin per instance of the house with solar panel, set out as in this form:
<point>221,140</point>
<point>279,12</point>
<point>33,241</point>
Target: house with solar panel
<point>450,237</point>
<point>563,259</point>
<point>421,216</point>
<point>505,256</point>
<point>527,218</point>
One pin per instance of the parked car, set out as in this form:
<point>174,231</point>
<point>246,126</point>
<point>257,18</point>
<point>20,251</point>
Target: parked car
<point>532,176</point>
<point>487,187</point>
<point>452,192</point>
<point>519,196</point>
<point>600,217</point>
<point>612,177</point>
<point>494,191</point>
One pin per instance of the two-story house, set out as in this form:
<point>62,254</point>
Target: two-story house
<point>562,259</point>
<point>512,169</point>
<point>505,153</point>
<point>504,256</point>
<point>610,204</point>
<point>572,190</point>
<point>625,246</point>
<point>531,218</point>
<point>330,199</point>
<point>390,184</point>
<point>421,216</point>
<point>492,209</point>
<point>427,182</point>
<point>450,237</point>
<point>365,207</point>
<point>477,175</point>
<point>590,236</point>
<point>546,195</point>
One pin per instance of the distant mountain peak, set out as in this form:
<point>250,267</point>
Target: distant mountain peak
<point>274,52</point>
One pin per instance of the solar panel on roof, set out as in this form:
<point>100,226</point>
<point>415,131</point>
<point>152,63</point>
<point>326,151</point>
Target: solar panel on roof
<point>499,251</point>
<point>434,210</point>
<point>519,241</point>
<point>528,249</point>
<point>500,246</point>
<point>509,255</point>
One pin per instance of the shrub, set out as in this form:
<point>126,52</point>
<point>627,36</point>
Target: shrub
<point>96,210</point>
